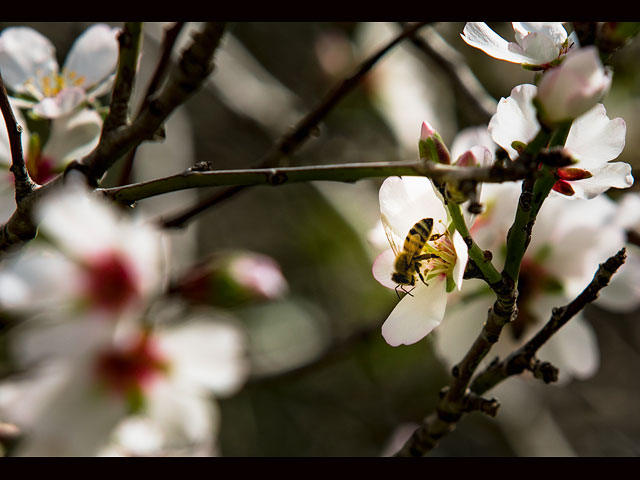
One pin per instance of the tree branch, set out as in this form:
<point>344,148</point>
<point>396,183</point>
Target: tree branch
<point>196,178</point>
<point>293,140</point>
<point>23,183</point>
<point>458,396</point>
<point>524,358</point>
<point>194,67</point>
<point>168,41</point>
<point>129,40</point>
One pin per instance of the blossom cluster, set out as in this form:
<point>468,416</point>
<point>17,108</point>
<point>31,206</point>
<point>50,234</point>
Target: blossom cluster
<point>114,356</point>
<point>564,250</point>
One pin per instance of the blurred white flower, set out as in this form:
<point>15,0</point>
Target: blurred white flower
<point>30,69</point>
<point>160,379</point>
<point>573,88</point>
<point>623,292</point>
<point>593,141</point>
<point>71,137</point>
<point>537,45</point>
<point>560,261</point>
<point>403,202</point>
<point>111,264</point>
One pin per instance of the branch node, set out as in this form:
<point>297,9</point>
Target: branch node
<point>473,402</point>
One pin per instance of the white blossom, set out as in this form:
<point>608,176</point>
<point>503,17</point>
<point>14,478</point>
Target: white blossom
<point>30,69</point>
<point>537,44</point>
<point>593,141</point>
<point>403,202</point>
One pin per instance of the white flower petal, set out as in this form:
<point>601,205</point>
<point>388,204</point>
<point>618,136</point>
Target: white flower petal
<point>78,420</point>
<point>407,200</point>
<point>610,175</point>
<point>479,35</point>
<point>574,87</point>
<point>94,54</point>
<point>470,137</point>
<point>628,214</point>
<point>63,103</point>
<point>573,349</point>
<point>554,30</point>
<point>206,353</point>
<point>462,255</point>
<point>25,54</point>
<point>537,48</point>
<point>383,267</point>
<point>623,292</point>
<point>594,139</point>
<point>415,316</point>
<point>515,119</point>
<point>184,416</point>
<point>73,136</point>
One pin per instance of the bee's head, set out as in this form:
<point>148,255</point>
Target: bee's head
<point>402,279</point>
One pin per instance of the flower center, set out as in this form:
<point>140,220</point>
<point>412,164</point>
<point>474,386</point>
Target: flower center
<point>130,369</point>
<point>445,261</point>
<point>53,83</point>
<point>110,282</point>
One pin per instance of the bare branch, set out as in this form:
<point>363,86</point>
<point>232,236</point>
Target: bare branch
<point>168,42</point>
<point>23,183</point>
<point>458,396</point>
<point>524,358</point>
<point>129,40</point>
<point>350,172</point>
<point>293,140</point>
<point>195,65</point>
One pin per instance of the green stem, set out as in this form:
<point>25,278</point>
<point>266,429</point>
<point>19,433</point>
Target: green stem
<point>476,254</point>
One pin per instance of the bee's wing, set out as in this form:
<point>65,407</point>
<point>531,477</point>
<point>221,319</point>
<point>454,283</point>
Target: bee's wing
<point>390,235</point>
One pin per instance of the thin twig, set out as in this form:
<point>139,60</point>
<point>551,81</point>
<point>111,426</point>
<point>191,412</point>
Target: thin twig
<point>168,42</point>
<point>195,66</point>
<point>455,403</point>
<point>23,183</point>
<point>524,358</point>
<point>129,40</point>
<point>293,140</point>
<point>350,172</point>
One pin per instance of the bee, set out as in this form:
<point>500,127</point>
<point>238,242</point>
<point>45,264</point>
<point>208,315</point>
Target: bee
<point>408,260</point>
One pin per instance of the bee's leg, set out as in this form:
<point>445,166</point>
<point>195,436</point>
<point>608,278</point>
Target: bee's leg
<point>435,236</point>
<point>417,267</point>
<point>401,287</point>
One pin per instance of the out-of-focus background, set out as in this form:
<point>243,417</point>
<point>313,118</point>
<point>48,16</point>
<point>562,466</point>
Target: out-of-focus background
<point>324,382</point>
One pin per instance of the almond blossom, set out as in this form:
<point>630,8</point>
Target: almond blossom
<point>31,72</point>
<point>111,263</point>
<point>593,141</point>
<point>91,351</point>
<point>623,292</point>
<point>82,404</point>
<point>70,137</point>
<point>538,45</point>
<point>573,88</point>
<point>403,202</point>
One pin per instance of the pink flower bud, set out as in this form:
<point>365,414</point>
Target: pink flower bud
<point>431,147</point>
<point>426,131</point>
<point>475,156</point>
<point>232,279</point>
<point>573,88</point>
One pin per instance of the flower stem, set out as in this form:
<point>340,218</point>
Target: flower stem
<point>483,263</point>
